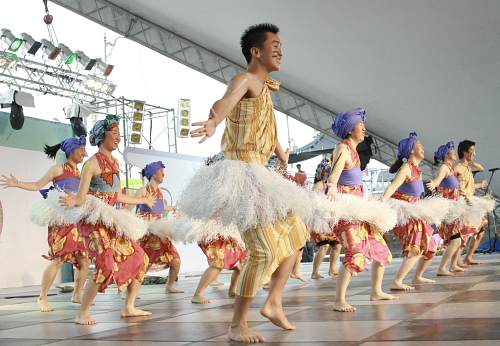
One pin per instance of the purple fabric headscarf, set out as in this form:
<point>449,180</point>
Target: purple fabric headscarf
<point>346,122</point>
<point>406,145</point>
<point>71,144</point>
<point>152,168</point>
<point>443,150</point>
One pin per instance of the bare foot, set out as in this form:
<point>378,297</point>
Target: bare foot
<point>134,312</point>
<point>457,269</point>
<point>401,287</point>
<point>172,290</point>
<point>266,286</point>
<point>44,305</point>
<point>316,276</point>
<point>199,300</point>
<point>231,293</point>
<point>333,272</point>
<point>85,319</point>
<point>382,296</point>
<point>463,265</point>
<point>298,276</point>
<point>243,334</point>
<point>444,273</point>
<point>422,280</point>
<point>216,283</point>
<point>78,300</point>
<point>343,307</point>
<point>276,315</point>
<point>472,261</point>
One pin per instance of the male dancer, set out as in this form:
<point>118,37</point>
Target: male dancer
<point>466,154</point>
<point>251,136</point>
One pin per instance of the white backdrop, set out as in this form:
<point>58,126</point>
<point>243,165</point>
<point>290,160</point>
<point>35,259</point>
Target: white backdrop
<point>21,242</point>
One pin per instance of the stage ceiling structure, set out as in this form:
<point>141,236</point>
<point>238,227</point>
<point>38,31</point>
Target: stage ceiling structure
<point>427,66</point>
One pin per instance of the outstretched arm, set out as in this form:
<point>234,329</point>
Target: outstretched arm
<point>402,175</point>
<point>139,193</point>
<point>52,173</point>
<point>236,90</point>
<point>90,169</point>
<point>434,183</point>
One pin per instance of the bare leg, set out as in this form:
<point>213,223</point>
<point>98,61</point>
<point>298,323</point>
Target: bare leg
<point>448,255</point>
<point>421,267</point>
<point>128,309</point>
<point>239,331</point>
<point>343,281</point>
<point>473,245</point>
<point>83,317</point>
<point>175,266</point>
<point>460,263</point>
<point>318,259</point>
<point>273,306</point>
<point>295,274</point>
<point>216,282</point>
<point>456,265</point>
<point>234,280</point>
<point>208,276</point>
<point>377,277</point>
<point>406,265</point>
<point>80,278</point>
<point>334,257</point>
<point>49,275</point>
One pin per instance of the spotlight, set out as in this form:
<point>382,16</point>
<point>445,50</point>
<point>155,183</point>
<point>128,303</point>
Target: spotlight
<point>16,100</point>
<point>13,42</point>
<point>100,85</point>
<point>30,44</point>
<point>184,118</point>
<point>106,69</point>
<point>138,118</point>
<point>49,49</point>
<point>67,55</point>
<point>75,113</point>
<point>86,62</point>
<point>8,61</point>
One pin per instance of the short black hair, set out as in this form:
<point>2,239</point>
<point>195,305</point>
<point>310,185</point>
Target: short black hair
<point>463,147</point>
<point>255,36</point>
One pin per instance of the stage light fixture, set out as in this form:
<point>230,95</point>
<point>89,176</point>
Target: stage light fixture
<point>184,118</point>
<point>49,49</point>
<point>137,122</point>
<point>30,44</point>
<point>75,113</point>
<point>16,100</point>
<point>67,54</point>
<point>87,63</point>
<point>106,69</point>
<point>100,85</point>
<point>9,61</point>
<point>13,42</point>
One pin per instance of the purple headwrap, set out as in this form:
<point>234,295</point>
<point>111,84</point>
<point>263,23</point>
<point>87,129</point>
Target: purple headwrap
<point>406,145</point>
<point>152,168</point>
<point>444,150</point>
<point>71,144</point>
<point>101,128</point>
<point>346,122</point>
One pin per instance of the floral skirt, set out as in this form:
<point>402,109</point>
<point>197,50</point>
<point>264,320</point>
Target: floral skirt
<point>161,252</point>
<point>223,254</point>
<point>416,237</point>
<point>65,243</point>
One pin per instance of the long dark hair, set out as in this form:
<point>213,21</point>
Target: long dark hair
<point>51,151</point>
<point>436,161</point>
<point>396,165</point>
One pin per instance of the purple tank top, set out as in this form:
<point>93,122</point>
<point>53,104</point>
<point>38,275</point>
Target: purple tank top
<point>351,177</point>
<point>450,183</point>
<point>157,208</point>
<point>71,184</point>
<point>414,188</point>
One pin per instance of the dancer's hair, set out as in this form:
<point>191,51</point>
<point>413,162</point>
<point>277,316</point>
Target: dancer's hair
<point>396,165</point>
<point>464,146</point>
<point>436,161</point>
<point>255,36</point>
<point>51,151</point>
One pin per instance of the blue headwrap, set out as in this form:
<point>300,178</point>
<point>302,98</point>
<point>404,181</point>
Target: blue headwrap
<point>71,144</point>
<point>406,145</point>
<point>102,127</point>
<point>346,122</point>
<point>152,168</point>
<point>444,150</point>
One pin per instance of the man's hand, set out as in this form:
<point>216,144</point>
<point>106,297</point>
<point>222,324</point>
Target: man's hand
<point>208,127</point>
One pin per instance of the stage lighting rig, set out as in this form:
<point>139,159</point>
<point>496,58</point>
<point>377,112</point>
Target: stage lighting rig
<point>67,54</point>
<point>184,118</point>
<point>85,61</point>
<point>30,44</point>
<point>16,100</point>
<point>49,49</point>
<point>75,113</point>
<point>137,122</point>
<point>105,68</point>
<point>99,85</point>
<point>13,42</point>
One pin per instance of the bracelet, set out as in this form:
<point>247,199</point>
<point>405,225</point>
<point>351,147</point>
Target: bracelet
<point>17,183</point>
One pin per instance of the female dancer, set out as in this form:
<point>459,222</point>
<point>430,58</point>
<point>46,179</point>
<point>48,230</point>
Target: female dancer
<point>160,250</point>
<point>416,236</point>
<point>448,187</point>
<point>65,243</point>
<point>116,257</point>
<point>325,240</point>
<point>360,241</point>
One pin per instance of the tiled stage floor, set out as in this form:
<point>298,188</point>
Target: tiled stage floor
<point>461,310</point>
